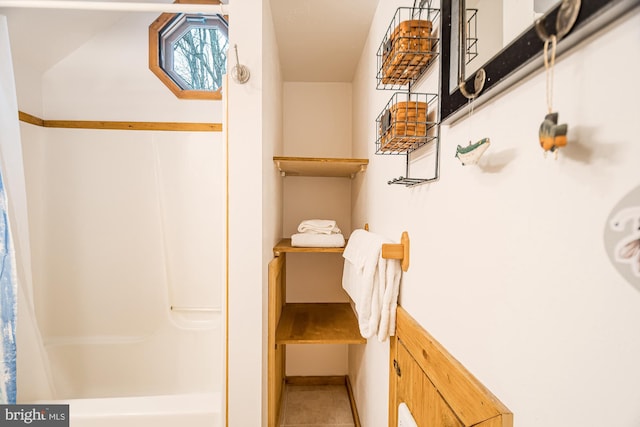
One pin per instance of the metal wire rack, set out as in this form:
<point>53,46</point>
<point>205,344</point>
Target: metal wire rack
<point>407,122</point>
<point>408,48</point>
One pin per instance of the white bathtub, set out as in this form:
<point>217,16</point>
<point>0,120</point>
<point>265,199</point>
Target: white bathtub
<point>170,378</point>
<point>192,410</point>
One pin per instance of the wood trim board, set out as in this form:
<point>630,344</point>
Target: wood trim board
<point>276,353</point>
<point>115,125</point>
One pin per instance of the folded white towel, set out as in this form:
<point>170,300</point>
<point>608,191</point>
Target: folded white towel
<point>372,282</point>
<point>311,240</point>
<point>318,226</point>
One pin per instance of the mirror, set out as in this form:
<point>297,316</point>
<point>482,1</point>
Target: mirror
<point>487,27</point>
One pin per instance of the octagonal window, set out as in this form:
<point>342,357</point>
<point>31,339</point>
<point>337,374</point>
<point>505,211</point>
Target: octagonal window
<point>189,53</point>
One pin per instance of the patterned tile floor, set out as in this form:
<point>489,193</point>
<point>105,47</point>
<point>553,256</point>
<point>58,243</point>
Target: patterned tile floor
<point>316,406</point>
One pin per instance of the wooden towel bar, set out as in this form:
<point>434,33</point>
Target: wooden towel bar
<point>396,250</point>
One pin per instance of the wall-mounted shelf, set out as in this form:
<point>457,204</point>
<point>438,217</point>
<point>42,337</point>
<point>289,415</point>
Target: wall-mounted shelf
<point>318,323</point>
<point>320,166</point>
<point>284,246</point>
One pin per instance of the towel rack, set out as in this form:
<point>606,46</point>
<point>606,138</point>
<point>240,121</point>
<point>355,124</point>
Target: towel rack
<point>396,250</point>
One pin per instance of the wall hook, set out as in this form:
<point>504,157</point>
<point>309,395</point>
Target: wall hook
<point>239,73</point>
<point>478,84</point>
<point>567,15</point>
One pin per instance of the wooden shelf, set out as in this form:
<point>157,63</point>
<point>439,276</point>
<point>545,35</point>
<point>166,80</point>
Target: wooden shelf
<point>320,166</point>
<point>318,323</point>
<point>284,245</point>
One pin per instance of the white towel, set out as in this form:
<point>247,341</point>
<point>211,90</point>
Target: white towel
<point>318,226</point>
<point>372,282</point>
<point>392,274</point>
<point>311,240</point>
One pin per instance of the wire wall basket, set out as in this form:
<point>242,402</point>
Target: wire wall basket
<point>407,122</point>
<point>409,46</point>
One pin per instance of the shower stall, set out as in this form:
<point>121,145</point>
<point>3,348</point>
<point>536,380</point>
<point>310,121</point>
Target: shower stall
<point>120,241</point>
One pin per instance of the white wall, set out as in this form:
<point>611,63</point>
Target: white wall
<point>255,206</point>
<point>272,189</point>
<point>508,268</point>
<point>317,123</point>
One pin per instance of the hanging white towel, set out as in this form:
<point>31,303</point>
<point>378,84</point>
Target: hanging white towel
<point>372,282</point>
<point>392,274</point>
<point>318,226</point>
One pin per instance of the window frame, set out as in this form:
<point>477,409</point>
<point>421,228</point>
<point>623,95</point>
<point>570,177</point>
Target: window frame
<point>155,60</point>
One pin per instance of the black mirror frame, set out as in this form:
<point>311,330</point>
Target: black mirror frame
<point>520,57</point>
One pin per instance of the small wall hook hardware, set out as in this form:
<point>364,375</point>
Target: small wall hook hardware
<point>239,73</point>
<point>567,15</point>
<point>478,84</point>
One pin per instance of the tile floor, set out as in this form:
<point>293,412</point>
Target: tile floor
<point>315,406</point>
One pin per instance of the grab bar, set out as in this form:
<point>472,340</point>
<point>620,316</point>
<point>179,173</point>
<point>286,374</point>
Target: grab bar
<point>202,309</point>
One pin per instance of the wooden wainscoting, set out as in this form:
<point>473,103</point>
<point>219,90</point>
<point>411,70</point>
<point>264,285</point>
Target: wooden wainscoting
<point>437,389</point>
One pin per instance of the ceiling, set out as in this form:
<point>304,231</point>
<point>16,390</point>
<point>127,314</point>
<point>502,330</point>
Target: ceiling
<point>318,40</point>
<point>321,40</point>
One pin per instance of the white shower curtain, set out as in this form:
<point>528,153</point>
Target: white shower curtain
<point>33,377</point>
<point>8,314</point>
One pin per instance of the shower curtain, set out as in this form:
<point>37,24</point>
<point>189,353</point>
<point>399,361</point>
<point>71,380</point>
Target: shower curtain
<point>23,360</point>
<point>8,290</point>
<point>8,283</point>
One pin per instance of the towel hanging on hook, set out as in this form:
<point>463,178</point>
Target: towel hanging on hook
<point>239,73</point>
